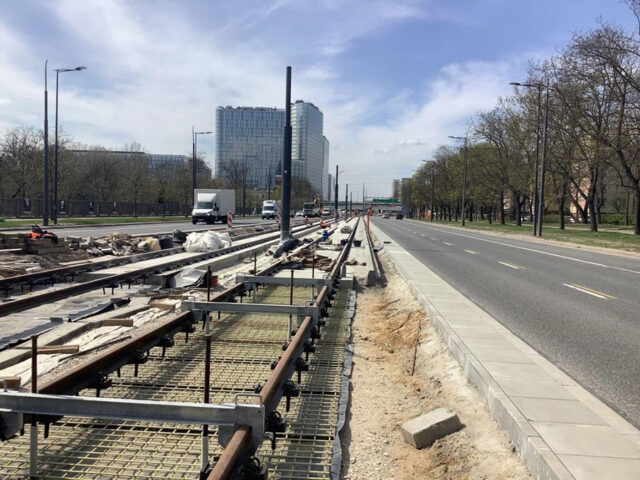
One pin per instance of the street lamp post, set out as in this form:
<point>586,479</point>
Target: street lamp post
<point>537,86</point>
<point>194,138</point>
<point>544,161</point>
<point>464,172</point>
<point>538,194</point>
<point>55,155</point>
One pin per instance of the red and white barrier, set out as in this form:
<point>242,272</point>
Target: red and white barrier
<point>229,220</point>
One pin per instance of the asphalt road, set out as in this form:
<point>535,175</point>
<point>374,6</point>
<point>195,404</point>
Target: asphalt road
<point>579,309</point>
<point>139,228</point>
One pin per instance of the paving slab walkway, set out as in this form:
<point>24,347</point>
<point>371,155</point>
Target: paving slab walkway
<point>560,430</point>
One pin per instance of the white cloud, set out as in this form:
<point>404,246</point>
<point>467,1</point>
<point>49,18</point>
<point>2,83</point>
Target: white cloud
<point>154,72</point>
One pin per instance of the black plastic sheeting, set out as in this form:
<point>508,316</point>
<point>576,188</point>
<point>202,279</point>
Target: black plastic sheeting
<point>345,392</point>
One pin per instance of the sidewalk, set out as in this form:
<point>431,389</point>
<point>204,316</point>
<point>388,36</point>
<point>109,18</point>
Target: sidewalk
<point>559,429</point>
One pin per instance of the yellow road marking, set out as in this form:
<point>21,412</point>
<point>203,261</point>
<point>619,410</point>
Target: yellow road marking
<point>589,291</point>
<point>511,265</point>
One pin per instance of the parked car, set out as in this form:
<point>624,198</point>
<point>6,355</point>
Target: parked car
<point>385,215</point>
<point>399,216</point>
<point>299,213</point>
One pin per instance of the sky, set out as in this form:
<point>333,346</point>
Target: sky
<point>393,78</point>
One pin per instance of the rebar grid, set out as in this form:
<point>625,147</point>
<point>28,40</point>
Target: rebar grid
<point>244,347</point>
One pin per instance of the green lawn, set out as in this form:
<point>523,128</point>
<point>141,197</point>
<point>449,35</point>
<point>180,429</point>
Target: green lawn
<point>579,235</point>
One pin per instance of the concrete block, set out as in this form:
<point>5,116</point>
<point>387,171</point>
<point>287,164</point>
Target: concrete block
<point>422,431</point>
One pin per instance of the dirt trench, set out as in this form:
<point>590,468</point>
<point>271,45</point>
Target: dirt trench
<point>393,337</point>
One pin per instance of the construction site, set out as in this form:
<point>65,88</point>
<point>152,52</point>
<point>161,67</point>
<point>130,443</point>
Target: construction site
<point>134,377</point>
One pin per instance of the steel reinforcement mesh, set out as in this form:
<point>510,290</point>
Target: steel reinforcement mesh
<point>243,348</point>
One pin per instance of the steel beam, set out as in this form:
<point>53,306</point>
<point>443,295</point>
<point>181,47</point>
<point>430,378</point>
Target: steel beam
<point>268,308</point>
<point>231,415</point>
<point>297,282</point>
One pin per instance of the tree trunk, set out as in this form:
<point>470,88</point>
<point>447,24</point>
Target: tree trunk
<point>518,210</point>
<point>637,227</point>
<point>502,219</point>
<point>489,214</point>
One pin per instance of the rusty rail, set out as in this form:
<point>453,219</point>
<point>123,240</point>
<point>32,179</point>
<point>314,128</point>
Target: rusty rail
<point>271,394</point>
<point>76,289</point>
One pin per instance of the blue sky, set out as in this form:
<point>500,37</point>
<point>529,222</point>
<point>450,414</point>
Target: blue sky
<point>393,78</point>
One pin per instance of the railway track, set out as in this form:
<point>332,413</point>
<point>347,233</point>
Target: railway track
<point>50,277</point>
<point>236,343</point>
<point>70,288</point>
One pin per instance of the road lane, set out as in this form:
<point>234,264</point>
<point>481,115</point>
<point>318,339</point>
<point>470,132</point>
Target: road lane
<point>593,336</point>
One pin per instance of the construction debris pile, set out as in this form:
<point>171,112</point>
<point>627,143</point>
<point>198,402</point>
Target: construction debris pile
<point>206,241</point>
<point>306,260</point>
<point>117,244</point>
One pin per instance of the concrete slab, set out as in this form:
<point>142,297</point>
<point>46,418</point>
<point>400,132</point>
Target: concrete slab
<point>520,387</point>
<point>523,371</point>
<point>507,355</point>
<point>586,440</point>
<point>422,431</point>
<point>554,410</point>
<point>589,468</point>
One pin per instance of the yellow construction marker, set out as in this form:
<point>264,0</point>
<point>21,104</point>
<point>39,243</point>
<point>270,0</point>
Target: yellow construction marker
<point>590,291</point>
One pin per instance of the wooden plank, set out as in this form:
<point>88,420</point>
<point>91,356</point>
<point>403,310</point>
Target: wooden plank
<point>53,349</point>
<point>12,383</point>
<point>117,322</point>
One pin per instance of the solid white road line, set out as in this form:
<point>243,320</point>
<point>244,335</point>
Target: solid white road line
<point>511,265</point>
<point>471,252</point>
<point>589,291</point>
<point>447,243</point>
<point>539,251</point>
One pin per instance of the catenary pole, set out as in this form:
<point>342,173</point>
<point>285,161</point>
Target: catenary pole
<point>45,196</point>
<point>286,164</point>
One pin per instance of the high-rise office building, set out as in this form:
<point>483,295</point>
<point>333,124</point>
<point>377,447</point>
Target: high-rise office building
<point>249,139</point>
<point>395,189</point>
<point>308,152</point>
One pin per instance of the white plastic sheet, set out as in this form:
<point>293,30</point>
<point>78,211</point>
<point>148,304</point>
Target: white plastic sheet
<point>206,241</point>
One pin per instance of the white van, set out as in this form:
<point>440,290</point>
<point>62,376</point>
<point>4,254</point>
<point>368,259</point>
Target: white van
<point>270,209</point>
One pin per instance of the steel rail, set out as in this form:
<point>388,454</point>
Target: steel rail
<point>271,393</point>
<point>75,289</point>
<point>73,380</point>
<point>51,274</point>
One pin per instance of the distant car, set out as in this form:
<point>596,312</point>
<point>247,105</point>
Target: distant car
<point>385,215</point>
<point>326,212</point>
<point>399,216</point>
<point>343,211</point>
<point>299,213</point>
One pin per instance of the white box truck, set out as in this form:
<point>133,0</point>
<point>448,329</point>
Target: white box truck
<point>270,208</point>
<point>212,205</point>
<point>312,209</point>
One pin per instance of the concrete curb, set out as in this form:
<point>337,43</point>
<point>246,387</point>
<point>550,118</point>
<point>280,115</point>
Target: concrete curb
<point>541,460</point>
